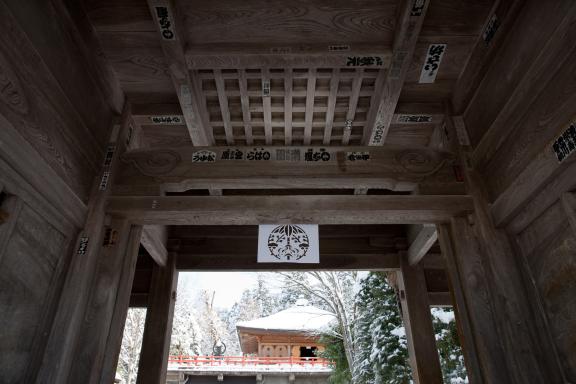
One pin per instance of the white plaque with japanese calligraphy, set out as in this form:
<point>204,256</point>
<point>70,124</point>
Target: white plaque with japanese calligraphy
<point>288,243</point>
<point>432,63</point>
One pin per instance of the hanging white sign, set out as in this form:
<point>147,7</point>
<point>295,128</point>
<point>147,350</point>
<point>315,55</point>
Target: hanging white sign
<point>288,243</point>
<point>433,58</point>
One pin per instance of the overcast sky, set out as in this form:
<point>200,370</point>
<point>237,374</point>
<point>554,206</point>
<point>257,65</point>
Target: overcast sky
<point>227,285</point>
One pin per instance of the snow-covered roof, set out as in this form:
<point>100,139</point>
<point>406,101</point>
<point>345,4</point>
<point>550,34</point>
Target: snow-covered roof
<point>301,317</point>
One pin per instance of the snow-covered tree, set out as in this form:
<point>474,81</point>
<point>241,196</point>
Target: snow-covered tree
<point>449,349</point>
<point>127,368</point>
<point>187,334</point>
<point>382,350</point>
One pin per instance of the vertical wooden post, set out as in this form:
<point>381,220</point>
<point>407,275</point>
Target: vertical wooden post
<point>114,342</point>
<point>424,358</point>
<point>158,328</point>
<point>59,355</point>
<point>109,294</point>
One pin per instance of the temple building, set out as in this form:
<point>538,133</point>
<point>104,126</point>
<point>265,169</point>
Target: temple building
<point>293,332</point>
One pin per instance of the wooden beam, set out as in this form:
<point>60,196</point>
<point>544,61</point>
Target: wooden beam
<point>158,328</point>
<point>172,45</point>
<point>247,262</point>
<point>352,105</point>
<point>243,56</point>
<point>154,241</point>
<point>440,299</point>
<point>422,243</point>
<point>406,37</point>
<point>288,106</point>
<point>390,167</point>
<point>224,110</point>
<point>309,114</point>
<point>252,210</point>
<point>417,319</point>
<point>245,101</point>
<point>334,84</point>
<point>267,105</point>
<point>496,28</point>
<point>534,190</point>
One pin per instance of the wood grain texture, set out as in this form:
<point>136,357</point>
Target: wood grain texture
<point>392,167</point>
<point>158,328</point>
<point>215,210</point>
<point>408,30</point>
<point>417,320</point>
<point>31,262</point>
<point>534,26</point>
<point>538,75</point>
<point>420,246</point>
<point>154,241</point>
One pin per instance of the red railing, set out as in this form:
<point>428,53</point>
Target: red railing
<point>247,361</point>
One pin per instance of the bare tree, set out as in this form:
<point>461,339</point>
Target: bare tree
<point>127,367</point>
<point>336,290</point>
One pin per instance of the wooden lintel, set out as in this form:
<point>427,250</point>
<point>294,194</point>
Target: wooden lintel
<point>317,209</point>
<point>184,168</point>
<point>389,89</point>
<point>167,24</point>
<point>422,243</point>
<point>242,56</point>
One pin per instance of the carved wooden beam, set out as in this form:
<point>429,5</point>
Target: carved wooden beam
<point>171,40</point>
<point>176,170</point>
<point>318,209</point>
<point>389,88</point>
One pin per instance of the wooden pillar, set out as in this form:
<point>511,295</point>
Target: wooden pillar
<point>114,341</point>
<point>60,352</point>
<point>101,330</point>
<point>424,358</point>
<point>158,329</point>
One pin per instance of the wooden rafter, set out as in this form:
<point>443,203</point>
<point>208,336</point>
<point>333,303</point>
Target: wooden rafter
<point>352,106</point>
<point>409,26</point>
<point>334,83</point>
<point>163,14</point>
<point>420,246</point>
<point>245,102</point>
<point>288,107</point>
<point>267,106</point>
<point>223,100</point>
<point>309,114</point>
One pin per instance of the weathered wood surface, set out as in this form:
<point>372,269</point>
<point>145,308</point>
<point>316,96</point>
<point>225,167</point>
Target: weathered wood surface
<point>420,246</point>
<point>154,239</point>
<point>391,167</point>
<point>540,184</point>
<point>121,304</point>
<point>462,308</point>
<point>32,261</point>
<point>526,41</point>
<point>109,276</point>
<point>482,55</point>
<point>59,354</point>
<point>156,340</point>
<point>174,53</point>
<point>407,31</point>
<point>317,209</point>
<point>417,319</point>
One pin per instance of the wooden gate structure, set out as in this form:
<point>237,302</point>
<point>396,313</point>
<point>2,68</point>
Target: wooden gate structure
<point>431,138</point>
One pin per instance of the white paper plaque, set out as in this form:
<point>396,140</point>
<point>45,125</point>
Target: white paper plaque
<point>288,243</point>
